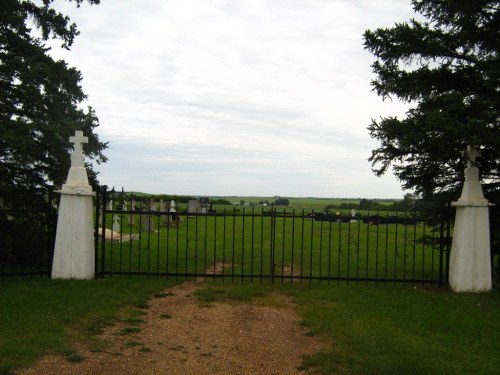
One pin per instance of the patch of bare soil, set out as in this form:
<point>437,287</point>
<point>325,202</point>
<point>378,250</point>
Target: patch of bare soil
<point>182,336</point>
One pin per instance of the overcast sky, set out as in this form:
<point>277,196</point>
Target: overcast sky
<point>235,97</point>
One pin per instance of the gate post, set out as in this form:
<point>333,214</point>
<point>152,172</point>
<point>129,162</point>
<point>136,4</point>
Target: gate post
<point>470,262</point>
<point>74,246</point>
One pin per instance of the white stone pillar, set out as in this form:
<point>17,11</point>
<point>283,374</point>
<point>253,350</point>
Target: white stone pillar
<point>470,261</point>
<point>74,256</point>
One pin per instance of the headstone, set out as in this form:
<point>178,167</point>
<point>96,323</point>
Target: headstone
<point>74,256</point>
<point>146,223</point>
<point>353,216</point>
<point>173,216</point>
<point>116,224</point>
<point>199,206</point>
<point>193,205</point>
<point>470,261</point>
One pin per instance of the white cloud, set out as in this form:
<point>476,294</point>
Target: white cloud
<point>258,97</point>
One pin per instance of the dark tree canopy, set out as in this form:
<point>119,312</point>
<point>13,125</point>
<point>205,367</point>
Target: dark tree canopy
<point>282,202</point>
<point>39,101</point>
<point>448,68</point>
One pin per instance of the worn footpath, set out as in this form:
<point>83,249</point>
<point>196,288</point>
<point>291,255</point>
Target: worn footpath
<point>181,336</point>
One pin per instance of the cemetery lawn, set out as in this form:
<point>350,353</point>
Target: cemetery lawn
<point>40,316</point>
<point>370,329</point>
<point>402,330</point>
<point>390,329</point>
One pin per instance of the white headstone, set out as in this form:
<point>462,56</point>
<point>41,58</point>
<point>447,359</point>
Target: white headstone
<point>470,261</point>
<point>74,246</point>
<point>116,224</point>
<point>147,223</point>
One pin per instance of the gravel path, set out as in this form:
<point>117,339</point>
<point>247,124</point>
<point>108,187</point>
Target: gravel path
<point>182,336</point>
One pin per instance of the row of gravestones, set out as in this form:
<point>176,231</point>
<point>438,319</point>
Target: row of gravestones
<point>147,222</point>
<point>160,206</point>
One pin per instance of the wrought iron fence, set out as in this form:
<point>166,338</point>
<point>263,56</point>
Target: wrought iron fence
<point>269,243</point>
<point>27,236</point>
<point>240,243</point>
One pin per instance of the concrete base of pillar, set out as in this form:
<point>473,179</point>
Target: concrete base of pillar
<point>470,263</point>
<point>74,256</point>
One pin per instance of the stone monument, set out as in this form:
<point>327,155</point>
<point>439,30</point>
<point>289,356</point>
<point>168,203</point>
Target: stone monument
<point>470,261</point>
<point>74,255</point>
<point>172,215</point>
<point>116,224</point>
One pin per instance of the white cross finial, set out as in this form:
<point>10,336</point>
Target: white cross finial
<point>472,153</point>
<point>77,158</point>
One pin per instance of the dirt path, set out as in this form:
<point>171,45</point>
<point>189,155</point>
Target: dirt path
<point>180,336</point>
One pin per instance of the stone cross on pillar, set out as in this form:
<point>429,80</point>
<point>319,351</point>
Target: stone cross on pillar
<point>470,261</point>
<point>74,256</point>
<point>77,157</point>
<point>472,153</point>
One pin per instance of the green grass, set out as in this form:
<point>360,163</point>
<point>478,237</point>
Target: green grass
<point>40,316</point>
<point>369,329</point>
<point>311,248</point>
<point>389,330</point>
<point>72,355</point>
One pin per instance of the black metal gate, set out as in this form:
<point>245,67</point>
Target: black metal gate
<point>266,243</point>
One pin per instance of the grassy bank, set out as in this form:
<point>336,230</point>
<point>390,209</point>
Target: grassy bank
<point>371,329</point>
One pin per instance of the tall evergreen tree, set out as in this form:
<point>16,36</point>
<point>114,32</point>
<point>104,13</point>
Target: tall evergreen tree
<point>40,101</point>
<point>446,65</point>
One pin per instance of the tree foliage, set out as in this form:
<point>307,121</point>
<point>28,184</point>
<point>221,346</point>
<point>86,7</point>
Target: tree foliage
<point>40,102</point>
<point>446,65</point>
<point>282,202</point>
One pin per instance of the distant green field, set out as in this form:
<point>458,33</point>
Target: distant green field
<point>297,203</point>
<point>303,203</point>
